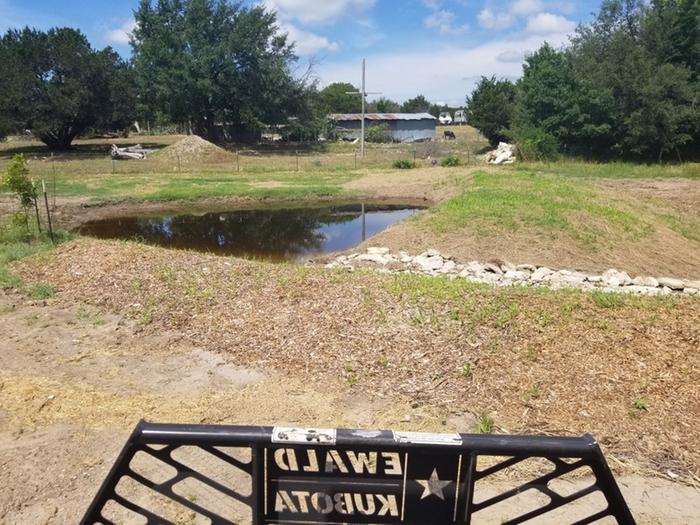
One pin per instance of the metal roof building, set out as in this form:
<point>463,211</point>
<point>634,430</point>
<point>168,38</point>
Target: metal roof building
<point>403,127</point>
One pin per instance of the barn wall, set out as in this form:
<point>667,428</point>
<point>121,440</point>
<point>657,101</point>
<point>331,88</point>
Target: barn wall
<point>401,130</point>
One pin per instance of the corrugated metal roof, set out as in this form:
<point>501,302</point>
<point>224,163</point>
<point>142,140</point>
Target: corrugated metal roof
<point>381,116</point>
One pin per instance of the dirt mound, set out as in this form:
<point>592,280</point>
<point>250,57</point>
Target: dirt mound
<point>193,148</point>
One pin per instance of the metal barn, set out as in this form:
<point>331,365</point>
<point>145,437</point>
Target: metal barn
<point>403,127</point>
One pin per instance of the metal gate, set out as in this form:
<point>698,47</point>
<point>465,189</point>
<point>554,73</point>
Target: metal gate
<point>263,475</point>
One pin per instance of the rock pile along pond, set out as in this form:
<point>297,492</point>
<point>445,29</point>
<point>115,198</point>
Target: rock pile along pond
<point>434,263</point>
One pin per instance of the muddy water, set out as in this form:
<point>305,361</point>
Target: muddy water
<point>273,234</point>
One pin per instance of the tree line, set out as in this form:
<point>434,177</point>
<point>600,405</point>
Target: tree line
<point>626,86</point>
<point>211,67</point>
<point>215,68</point>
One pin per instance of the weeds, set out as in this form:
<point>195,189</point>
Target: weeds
<point>534,392</point>
<point>451,161</point>
<point>608,299</point>
<point>467,369</point>
<point>403,164</point>
<point>41,291</point>
<point>484,423</point>
<point>641,404</point>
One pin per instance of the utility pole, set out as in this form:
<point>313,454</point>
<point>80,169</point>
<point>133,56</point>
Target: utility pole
<point>363,94</point>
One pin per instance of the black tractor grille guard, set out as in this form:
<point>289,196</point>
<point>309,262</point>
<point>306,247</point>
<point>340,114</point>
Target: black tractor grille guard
<point>263,475</point>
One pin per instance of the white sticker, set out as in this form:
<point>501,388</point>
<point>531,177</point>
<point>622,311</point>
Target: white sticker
<point>427,438</point>
<point>322,436</point>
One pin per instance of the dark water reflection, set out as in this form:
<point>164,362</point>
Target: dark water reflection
<point>275,234</point>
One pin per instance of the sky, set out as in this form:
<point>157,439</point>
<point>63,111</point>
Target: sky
<point>437,48</point>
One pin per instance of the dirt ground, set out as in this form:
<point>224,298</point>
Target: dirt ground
<point>139,332</point>
<point>72,385</point>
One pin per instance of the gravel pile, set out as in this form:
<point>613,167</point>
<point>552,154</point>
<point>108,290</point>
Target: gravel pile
<point>193,149</point>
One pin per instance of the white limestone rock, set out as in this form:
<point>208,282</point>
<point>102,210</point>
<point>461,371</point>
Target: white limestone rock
<point>613,278</point>
<point>378,259</point>
<point>671,282</point>
<point>644,280</point>
<point>517,275</point>
<point>429,263</point>
<point>540,274</point>
<point>493,268</point>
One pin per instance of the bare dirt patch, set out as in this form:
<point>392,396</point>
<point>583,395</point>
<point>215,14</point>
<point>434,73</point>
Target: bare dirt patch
<point>582,364</point>
<point>429,184</point>
<point>129,322</point>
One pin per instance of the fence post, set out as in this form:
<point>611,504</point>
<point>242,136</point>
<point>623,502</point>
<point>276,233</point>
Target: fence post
<point>238,162</point>
<point>53,169</point>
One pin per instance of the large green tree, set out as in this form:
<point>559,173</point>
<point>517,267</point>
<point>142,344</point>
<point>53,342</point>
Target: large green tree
<point>60,86</point>
<point>626,86</point>
<point>490,108</point>
<point>417,104</point>
<point>341,97</point>
<point>385,105</point>
<point>221,69</point>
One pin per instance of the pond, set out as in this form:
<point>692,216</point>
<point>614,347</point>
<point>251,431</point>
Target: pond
<point>269,233</point>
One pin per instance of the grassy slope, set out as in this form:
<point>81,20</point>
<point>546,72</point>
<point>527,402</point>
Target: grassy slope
<point>611,170</point>
<point>526,215</point>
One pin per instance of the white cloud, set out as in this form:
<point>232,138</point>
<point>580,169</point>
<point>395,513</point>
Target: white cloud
<point>510,56</point>
<point>432,4</point>
<point>306,43</point>
<point>545,24</point>
<point>446,73</point>
<point>444,22</point>
<point>490,20</point>
<point>122,34</point>
<point>526,7</point>
<point>318,11</point>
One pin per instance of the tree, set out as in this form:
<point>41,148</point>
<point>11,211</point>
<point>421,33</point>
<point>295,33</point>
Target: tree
<point>417,104</point>
<point>11,87</point>
<point>338,98</point>
<point>220,69</point>
<point>627,85</point>
<point>62,87</point>
<point>385,105</point>
<point>490,108</point>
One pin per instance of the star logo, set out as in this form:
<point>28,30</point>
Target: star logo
<point>433,486</point>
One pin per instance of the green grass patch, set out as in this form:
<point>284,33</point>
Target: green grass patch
<point>191,186</point>
<point>506,202</point>
<point>41,291</point>
<point>608,299</point>
<point>17,242</point>
<point>611,170</point>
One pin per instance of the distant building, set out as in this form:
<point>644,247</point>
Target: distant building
<point>403,127</point>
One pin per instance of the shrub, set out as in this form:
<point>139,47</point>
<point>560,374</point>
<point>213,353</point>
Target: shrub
<point>450,161</point>
<point>404,164</point>
<point>17,180</point>
<point>378,134</point>
<point>536,144</point>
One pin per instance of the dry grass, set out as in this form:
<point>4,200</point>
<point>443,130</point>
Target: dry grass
<point>539,361</point>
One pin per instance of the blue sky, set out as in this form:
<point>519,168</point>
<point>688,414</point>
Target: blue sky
<point>438,48</point>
